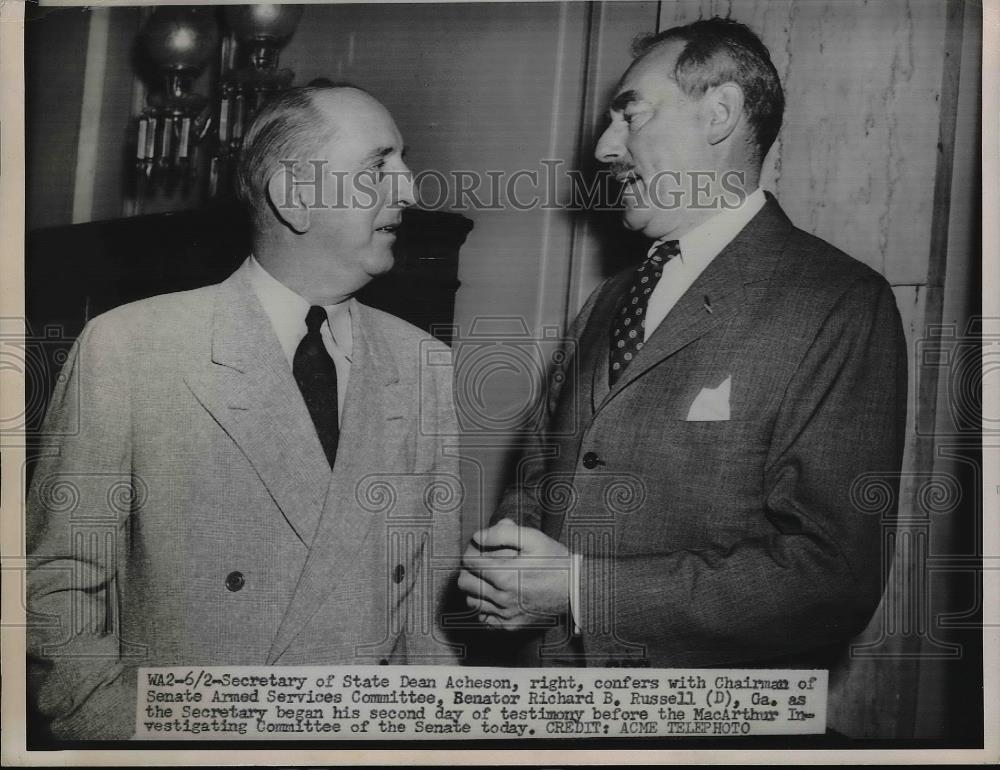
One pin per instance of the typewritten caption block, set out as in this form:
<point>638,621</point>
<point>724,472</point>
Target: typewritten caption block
<point>435,702</point>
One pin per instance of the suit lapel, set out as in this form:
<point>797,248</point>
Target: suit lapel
<point>749,258</point>
<point>248,388</point>
<point>689,319</point>
<point>373,429</point>
<point>714,298</point>
<point>595,341</point>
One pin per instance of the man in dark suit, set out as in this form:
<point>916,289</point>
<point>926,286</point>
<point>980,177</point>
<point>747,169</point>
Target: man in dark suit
<point>242,474</point>
<point>691,501</point>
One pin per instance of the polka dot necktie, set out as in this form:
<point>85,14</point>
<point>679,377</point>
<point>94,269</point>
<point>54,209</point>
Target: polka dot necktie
<point>628,328</point>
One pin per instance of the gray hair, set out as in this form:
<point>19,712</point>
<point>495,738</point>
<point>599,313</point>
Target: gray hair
<point>720,50</point>
<point>289,127</point>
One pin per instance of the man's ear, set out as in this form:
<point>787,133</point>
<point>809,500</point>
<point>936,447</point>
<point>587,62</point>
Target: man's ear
<point>725,109</point>
<point>285,198</point>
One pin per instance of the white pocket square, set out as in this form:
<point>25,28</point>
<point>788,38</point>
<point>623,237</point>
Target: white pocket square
<point>712,404</point>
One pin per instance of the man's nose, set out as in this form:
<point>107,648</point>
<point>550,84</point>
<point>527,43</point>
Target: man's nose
<point>610,147</point>
<point>403,194</point>
<point>402,187</point>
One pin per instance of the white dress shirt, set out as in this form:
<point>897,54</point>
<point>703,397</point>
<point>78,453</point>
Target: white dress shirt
<point>287,312</point>
<point>698,248</point>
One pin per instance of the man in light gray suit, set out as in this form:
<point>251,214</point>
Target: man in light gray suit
<point>250,473</point>
<point>696,496</point>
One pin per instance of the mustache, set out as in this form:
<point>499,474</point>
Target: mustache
<point>621,171</point>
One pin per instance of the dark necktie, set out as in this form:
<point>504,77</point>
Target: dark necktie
<point>317,378</point>
<point>628,327</point>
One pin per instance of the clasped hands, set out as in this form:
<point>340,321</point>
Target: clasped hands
<point>515,576</point>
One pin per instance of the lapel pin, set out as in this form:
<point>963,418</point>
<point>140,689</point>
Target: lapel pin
<point>708,305</point>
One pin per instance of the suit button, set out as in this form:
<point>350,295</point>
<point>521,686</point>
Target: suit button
<point>591,461</point>
<point>397,574</point>
<point>235,581</point>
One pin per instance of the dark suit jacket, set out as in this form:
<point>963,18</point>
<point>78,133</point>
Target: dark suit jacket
<point>179,452</point>
<point>730,542</point>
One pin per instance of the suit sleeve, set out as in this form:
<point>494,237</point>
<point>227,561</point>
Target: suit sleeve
<point>520,501</point>
<point>76,529</point>
<point>816,577</point>
<point>443,495</point>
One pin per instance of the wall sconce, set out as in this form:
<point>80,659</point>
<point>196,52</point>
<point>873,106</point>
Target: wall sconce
<point>258,32</point>
<point>177,123</point>
<point>177,42</point>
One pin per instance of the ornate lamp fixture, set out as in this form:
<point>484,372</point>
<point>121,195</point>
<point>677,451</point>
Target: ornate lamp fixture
<point>258,32</point>
<point>177,41</point>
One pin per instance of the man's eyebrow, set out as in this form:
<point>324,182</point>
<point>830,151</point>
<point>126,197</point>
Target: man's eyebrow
<point>378,154</point>
<point>624,99</point>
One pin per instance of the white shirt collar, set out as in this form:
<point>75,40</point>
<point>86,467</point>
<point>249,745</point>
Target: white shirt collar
<point>710,237</point>
<point>287,312</point>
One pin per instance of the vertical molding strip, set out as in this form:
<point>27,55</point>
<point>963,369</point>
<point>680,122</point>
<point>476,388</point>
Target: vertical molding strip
<point>553,152</point>
<point>584,142</point>
<point>90,114</point>
<point>591,36</point>
<point>946,146</point>
<point>926,397</point>
<point>130,203</point>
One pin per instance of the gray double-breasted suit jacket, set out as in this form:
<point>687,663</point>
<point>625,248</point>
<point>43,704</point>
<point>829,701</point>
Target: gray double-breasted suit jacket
<point>183,512</point>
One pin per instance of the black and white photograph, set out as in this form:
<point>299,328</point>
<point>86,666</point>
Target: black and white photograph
<point>521,378</point>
